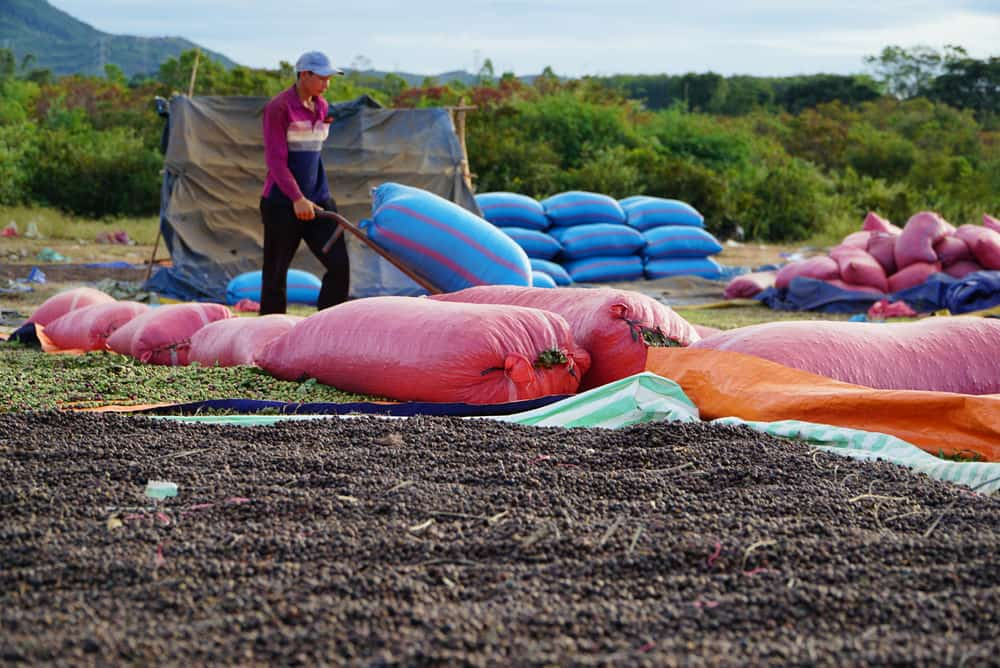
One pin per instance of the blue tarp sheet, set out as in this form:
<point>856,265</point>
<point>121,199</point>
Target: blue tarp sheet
<point>974,292</point>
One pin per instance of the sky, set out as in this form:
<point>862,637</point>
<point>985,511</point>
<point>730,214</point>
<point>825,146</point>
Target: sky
<point>573,37</point>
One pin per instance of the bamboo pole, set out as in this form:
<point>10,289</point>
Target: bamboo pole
<point>458,121</point>
<point>159,229</point>
<point>194,72</point>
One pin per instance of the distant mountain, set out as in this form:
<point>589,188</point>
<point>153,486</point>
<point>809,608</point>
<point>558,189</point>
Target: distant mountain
<point>66,45</point>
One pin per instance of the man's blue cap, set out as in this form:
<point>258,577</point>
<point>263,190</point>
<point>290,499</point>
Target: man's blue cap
<point>317,63</point>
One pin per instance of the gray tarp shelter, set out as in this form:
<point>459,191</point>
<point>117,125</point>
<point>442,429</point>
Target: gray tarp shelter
<point>214,172</point>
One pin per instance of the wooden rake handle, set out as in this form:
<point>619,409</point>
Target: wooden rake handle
<point>344,224</point>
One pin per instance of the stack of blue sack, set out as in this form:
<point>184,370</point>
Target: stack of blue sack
<point>586,237</point>
<point>597,245</point>
<point>676,242</point>
<point>522,218</point>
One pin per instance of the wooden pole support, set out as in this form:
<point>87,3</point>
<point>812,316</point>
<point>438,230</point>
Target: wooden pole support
<point>156,244</point>
<point>194,72</point>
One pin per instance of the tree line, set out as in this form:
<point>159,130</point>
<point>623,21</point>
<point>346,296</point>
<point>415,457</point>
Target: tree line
<point>783,159</point>
<point>950,76</point>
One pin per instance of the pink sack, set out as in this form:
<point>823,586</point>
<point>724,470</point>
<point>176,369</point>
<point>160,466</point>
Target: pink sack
<point>876,223</point>
<point>858,267</point>
<point>822,267</point>
<point>748,285</point>
<point>705,331</point>
<point>914,274</point>
<point>615,327</point>
<point>991,222</point>
<point>963,268</point>
<point>916,243</point>
<point>951,249</point>
<point>88,328</point>
<point>414,349</point>
<point>856,240</point>
<point>163,335</point>
<point>882,247</point>
<point>984,243</point>
<point>235,341</point>
<point>67,301</point>
<point>953,354</point>
<point>883,309</point>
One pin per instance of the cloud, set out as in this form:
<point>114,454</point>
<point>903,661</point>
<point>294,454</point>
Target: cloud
<point>976,32</point>
<point>574,37</point>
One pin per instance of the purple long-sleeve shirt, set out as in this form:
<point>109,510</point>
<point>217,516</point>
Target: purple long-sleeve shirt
<point>293,142</point>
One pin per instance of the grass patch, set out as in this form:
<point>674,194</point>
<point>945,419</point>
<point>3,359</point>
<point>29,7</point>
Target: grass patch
<point>54,224</point>
<point>32,380</point>
<point>834,231</point>
<point>741,315</point>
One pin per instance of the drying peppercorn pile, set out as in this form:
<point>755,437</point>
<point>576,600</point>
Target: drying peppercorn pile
<point>446,541</point>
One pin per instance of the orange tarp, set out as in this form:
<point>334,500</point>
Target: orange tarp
<point>49,347</point>
<point>728,384</point>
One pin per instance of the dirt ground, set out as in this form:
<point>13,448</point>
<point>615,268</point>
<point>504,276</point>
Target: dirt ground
<point>440,541</point>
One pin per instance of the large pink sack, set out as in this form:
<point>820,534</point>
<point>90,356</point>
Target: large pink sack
<point>953,354</point>
<point>984,243</point>
<point>952,249</point>
<point>67,301</point>
<point>88,328</point>
<point>414,349</point>
<point>706,330</point>
<point>991,222</point>
<point>916,243</point>
<point>235,341</point>
<point>882,247</point>
<point>876,223</point>
<point>822,267</point>
<point>748,285</point>
<point>858,267</point>
<point>615,327</point>
<point>913,274</point>
<point>856,240</point>
<point>163,334</point>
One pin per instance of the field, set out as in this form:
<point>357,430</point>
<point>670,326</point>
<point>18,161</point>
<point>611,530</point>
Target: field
<point>444,541</point>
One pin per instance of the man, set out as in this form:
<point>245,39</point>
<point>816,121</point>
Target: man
<point>295,126</point>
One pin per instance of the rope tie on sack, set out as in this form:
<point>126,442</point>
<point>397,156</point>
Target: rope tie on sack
<point>545,360</point>
<point>651,336</point>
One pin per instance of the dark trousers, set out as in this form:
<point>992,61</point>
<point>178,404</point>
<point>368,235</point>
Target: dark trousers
<point>283,233</point>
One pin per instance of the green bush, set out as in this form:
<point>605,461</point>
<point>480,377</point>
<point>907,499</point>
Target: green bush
<point>699,137</point>
<point>16,98</point>
<point>96,172</point>
<point>17,150</point>
<point>786,202</point>
<point>860,194</point>
<point>573,127</point>
<point>607,170</point>
<point>879,153</point>
<point>503,157</point>
<point>683,179</point>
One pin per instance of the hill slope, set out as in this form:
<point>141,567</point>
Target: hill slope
<point>67,45</point>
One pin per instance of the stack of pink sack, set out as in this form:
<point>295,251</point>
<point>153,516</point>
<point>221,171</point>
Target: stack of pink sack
<point>882,258</point>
